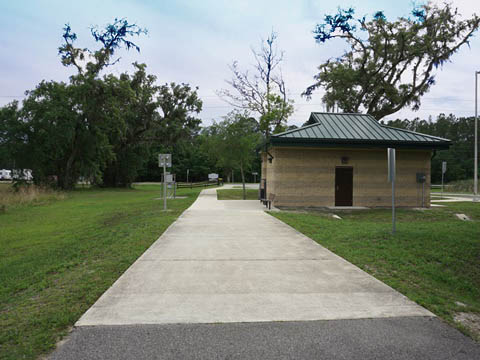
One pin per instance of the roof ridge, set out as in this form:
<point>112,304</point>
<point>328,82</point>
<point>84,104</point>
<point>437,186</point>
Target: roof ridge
<point>355,127</point>
<point>414,132</point>
<point>342,113</point>
<point>297,129</point>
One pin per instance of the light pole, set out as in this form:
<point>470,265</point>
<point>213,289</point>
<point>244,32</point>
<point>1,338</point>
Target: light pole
<point>475,167</point>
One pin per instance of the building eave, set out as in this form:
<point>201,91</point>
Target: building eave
<point>296,142</point>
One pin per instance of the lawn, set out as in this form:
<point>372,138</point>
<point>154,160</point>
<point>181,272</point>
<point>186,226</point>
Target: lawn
<point>437,191</point>
<point>57,257</point>
<point>434,258</point>
<point>236,194</point>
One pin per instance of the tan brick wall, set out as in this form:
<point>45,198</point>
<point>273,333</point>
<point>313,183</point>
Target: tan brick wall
<point>306,176</point>
<point>263,174</point>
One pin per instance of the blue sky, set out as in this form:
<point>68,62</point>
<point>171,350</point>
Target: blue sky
<point>194,41</point>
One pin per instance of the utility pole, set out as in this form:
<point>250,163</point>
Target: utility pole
<point>391,178</point>
<point>475,167</point>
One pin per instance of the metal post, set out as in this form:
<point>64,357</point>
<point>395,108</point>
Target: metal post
<point>188,170</point>
<point>393,206</point>
<point>165,185</point>
<point>442,184</point>
<point>423,194</point>
<point>391,177</point>
<point>475,171</point>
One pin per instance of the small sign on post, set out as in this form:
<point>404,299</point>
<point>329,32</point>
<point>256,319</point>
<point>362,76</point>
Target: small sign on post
<point>165,160</point>
<point>391,178</point>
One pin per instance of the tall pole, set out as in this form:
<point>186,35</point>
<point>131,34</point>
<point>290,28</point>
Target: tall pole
<point>475,167</point>
<point>391,177</point>
<point>393,206</point>
<point>442,182</point>
<point>165,184</point>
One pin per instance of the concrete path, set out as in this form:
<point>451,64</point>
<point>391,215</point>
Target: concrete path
<point>229,261</point>
<point>228,281</point>
<point>447,199</point>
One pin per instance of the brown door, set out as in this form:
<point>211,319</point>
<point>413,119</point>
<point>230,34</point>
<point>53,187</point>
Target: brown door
<point>343,186</point>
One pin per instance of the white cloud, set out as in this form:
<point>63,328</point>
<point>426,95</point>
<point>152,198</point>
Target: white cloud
<point>194,41</point>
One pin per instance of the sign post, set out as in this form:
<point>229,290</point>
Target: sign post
<point>165,160</point>
<point>255,176</point>
<point>444,170</point>
<point>391,178</point>
<point>188,171</point>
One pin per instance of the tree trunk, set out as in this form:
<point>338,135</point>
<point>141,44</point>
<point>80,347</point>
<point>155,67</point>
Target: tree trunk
<point>243,182</point>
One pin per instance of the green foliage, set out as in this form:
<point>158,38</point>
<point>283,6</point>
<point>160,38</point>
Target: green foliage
<point>10,135</point>
<point>98,128</point>
<point>237,194</point>
<point>390,64</point>
<point>233,142</point>
<point>186,154</point>
<point>461,131</point>
<point>460,186</point>
<point>66,136</point>
<point>113,37</point>
<point>148,114</point>
<point>275,120</point>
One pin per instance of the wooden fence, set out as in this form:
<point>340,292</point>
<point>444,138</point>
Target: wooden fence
<point>191,185</point>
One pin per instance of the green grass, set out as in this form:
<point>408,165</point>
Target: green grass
<point>434,258</point>
<point>31,194</point>
<point>57,258</point>
<point>438,191</point>
<point>458,186</point>
<point>236,194</point>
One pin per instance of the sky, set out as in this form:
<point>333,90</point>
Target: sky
<point>194,41</point>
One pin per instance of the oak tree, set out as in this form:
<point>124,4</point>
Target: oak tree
<point>389,64</point>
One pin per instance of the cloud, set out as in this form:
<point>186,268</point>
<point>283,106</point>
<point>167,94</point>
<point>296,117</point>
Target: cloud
<point>194,41</point>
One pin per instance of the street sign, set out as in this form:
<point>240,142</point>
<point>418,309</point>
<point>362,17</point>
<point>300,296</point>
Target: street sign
<point>165,159</point>
<point>391,178</point>
<point>169,178</point>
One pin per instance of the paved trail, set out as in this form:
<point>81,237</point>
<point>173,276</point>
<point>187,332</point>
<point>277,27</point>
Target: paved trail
<point>259,284</point>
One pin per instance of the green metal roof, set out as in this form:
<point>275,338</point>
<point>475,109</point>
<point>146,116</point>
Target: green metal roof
<point>334,129</point>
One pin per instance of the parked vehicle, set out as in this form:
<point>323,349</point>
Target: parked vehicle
<point>5,174</point>
<point>22,174</point>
